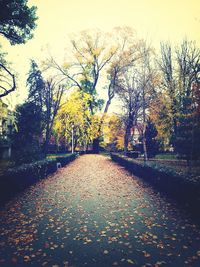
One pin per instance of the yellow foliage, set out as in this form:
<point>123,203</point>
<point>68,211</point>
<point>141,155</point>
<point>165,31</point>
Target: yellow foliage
<point>74,113</point>
<point>113,132</point>
<point>161,116</point>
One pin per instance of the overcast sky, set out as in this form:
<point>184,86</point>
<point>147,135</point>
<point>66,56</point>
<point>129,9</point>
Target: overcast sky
<point>155,20</point>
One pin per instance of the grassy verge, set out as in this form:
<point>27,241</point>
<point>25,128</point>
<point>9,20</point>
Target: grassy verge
<point>166,156</point>
<point>52,156</point>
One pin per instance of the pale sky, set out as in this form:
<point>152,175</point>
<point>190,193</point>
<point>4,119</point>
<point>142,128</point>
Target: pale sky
<point>155,20</point>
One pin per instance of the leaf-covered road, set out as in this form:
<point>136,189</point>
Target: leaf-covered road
<point>94,213</point>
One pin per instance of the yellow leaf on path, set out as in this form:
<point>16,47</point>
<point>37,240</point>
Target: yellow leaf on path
<point>130,261</point>
<point>27,258</point>
<point>146,254</point>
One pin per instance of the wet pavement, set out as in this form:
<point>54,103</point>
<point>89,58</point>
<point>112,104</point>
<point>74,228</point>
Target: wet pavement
<point>95,213</point>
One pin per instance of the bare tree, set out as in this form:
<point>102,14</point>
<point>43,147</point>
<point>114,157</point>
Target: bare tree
<point>91,53</point>
<point>147,79</point>
<point>131,97</point>
<point>135,90</point>
<point>188,69</point>
<point>125,56</point>
<point>169,83</point>
<point>188,72</point>
<point>180,70</point>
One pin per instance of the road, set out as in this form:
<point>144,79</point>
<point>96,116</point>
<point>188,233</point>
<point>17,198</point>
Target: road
<point>94,213</point>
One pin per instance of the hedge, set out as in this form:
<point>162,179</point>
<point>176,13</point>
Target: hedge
<point>64,160</point>
<point>184,188</point>
<point>18,178</point>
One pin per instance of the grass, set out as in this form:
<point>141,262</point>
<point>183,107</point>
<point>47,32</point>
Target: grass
<point>105,153</point>
<point>52,156</point>
<point>166,156</point>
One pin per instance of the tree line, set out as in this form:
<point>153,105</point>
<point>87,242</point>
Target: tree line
<point>158,93</point>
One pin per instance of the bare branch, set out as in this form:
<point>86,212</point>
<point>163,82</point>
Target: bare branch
<point>12,87</point>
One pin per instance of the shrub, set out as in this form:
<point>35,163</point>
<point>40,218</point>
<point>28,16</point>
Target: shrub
<point>64,160</point>
<point>185,188</point>
<point>133,154</point>
<point>19,178</point>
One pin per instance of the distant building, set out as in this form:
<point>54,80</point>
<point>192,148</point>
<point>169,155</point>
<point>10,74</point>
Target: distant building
<point>136,133</point>
<point>6,128</point>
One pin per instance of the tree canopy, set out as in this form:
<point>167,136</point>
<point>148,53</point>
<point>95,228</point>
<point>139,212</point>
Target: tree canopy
<point>17,20</point>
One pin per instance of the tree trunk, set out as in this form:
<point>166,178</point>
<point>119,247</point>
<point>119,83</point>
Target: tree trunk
<point>126,138</point>
<point>144,144</point>
<point>95,145</point>
<point>144,126</point>
<point>46,143</point>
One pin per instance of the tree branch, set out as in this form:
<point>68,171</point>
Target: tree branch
<point>13,86</point>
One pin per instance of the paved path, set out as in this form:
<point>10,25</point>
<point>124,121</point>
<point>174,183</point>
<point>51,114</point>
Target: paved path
<point>94,213</point>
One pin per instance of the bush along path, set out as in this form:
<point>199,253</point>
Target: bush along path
<point>94,213</point>
<point>18,178</point>
<point>182,187</point>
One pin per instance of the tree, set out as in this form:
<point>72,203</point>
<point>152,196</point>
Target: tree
<point>148,81</point>
<point>74,116</point>
<point>113,133</point>
<point>7,79</point>
<point>188,137</point>
<point>46,95</point>
<point>17,20</point>
<point>36,85</point>
<point>135,88</point>
<point>152,143</point>
<point>180,72</point>
<point>131,97</point>
<point>53,92</point>
<point>26,139</point>
<point>188,129</point>
<point>169,82</point>
<point>92,54</point>
<point>124,57</point>
<point>160,114</point>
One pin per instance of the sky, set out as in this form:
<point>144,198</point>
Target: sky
<point>154,20</point>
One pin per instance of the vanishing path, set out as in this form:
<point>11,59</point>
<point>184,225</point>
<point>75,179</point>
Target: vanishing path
<point>94,213</point>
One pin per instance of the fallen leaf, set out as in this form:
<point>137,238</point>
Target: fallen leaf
<point>130,261</point>
<point>27,258</point>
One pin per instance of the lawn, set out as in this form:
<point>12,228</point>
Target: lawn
<point>52,156</point>
<point>168,156</point>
